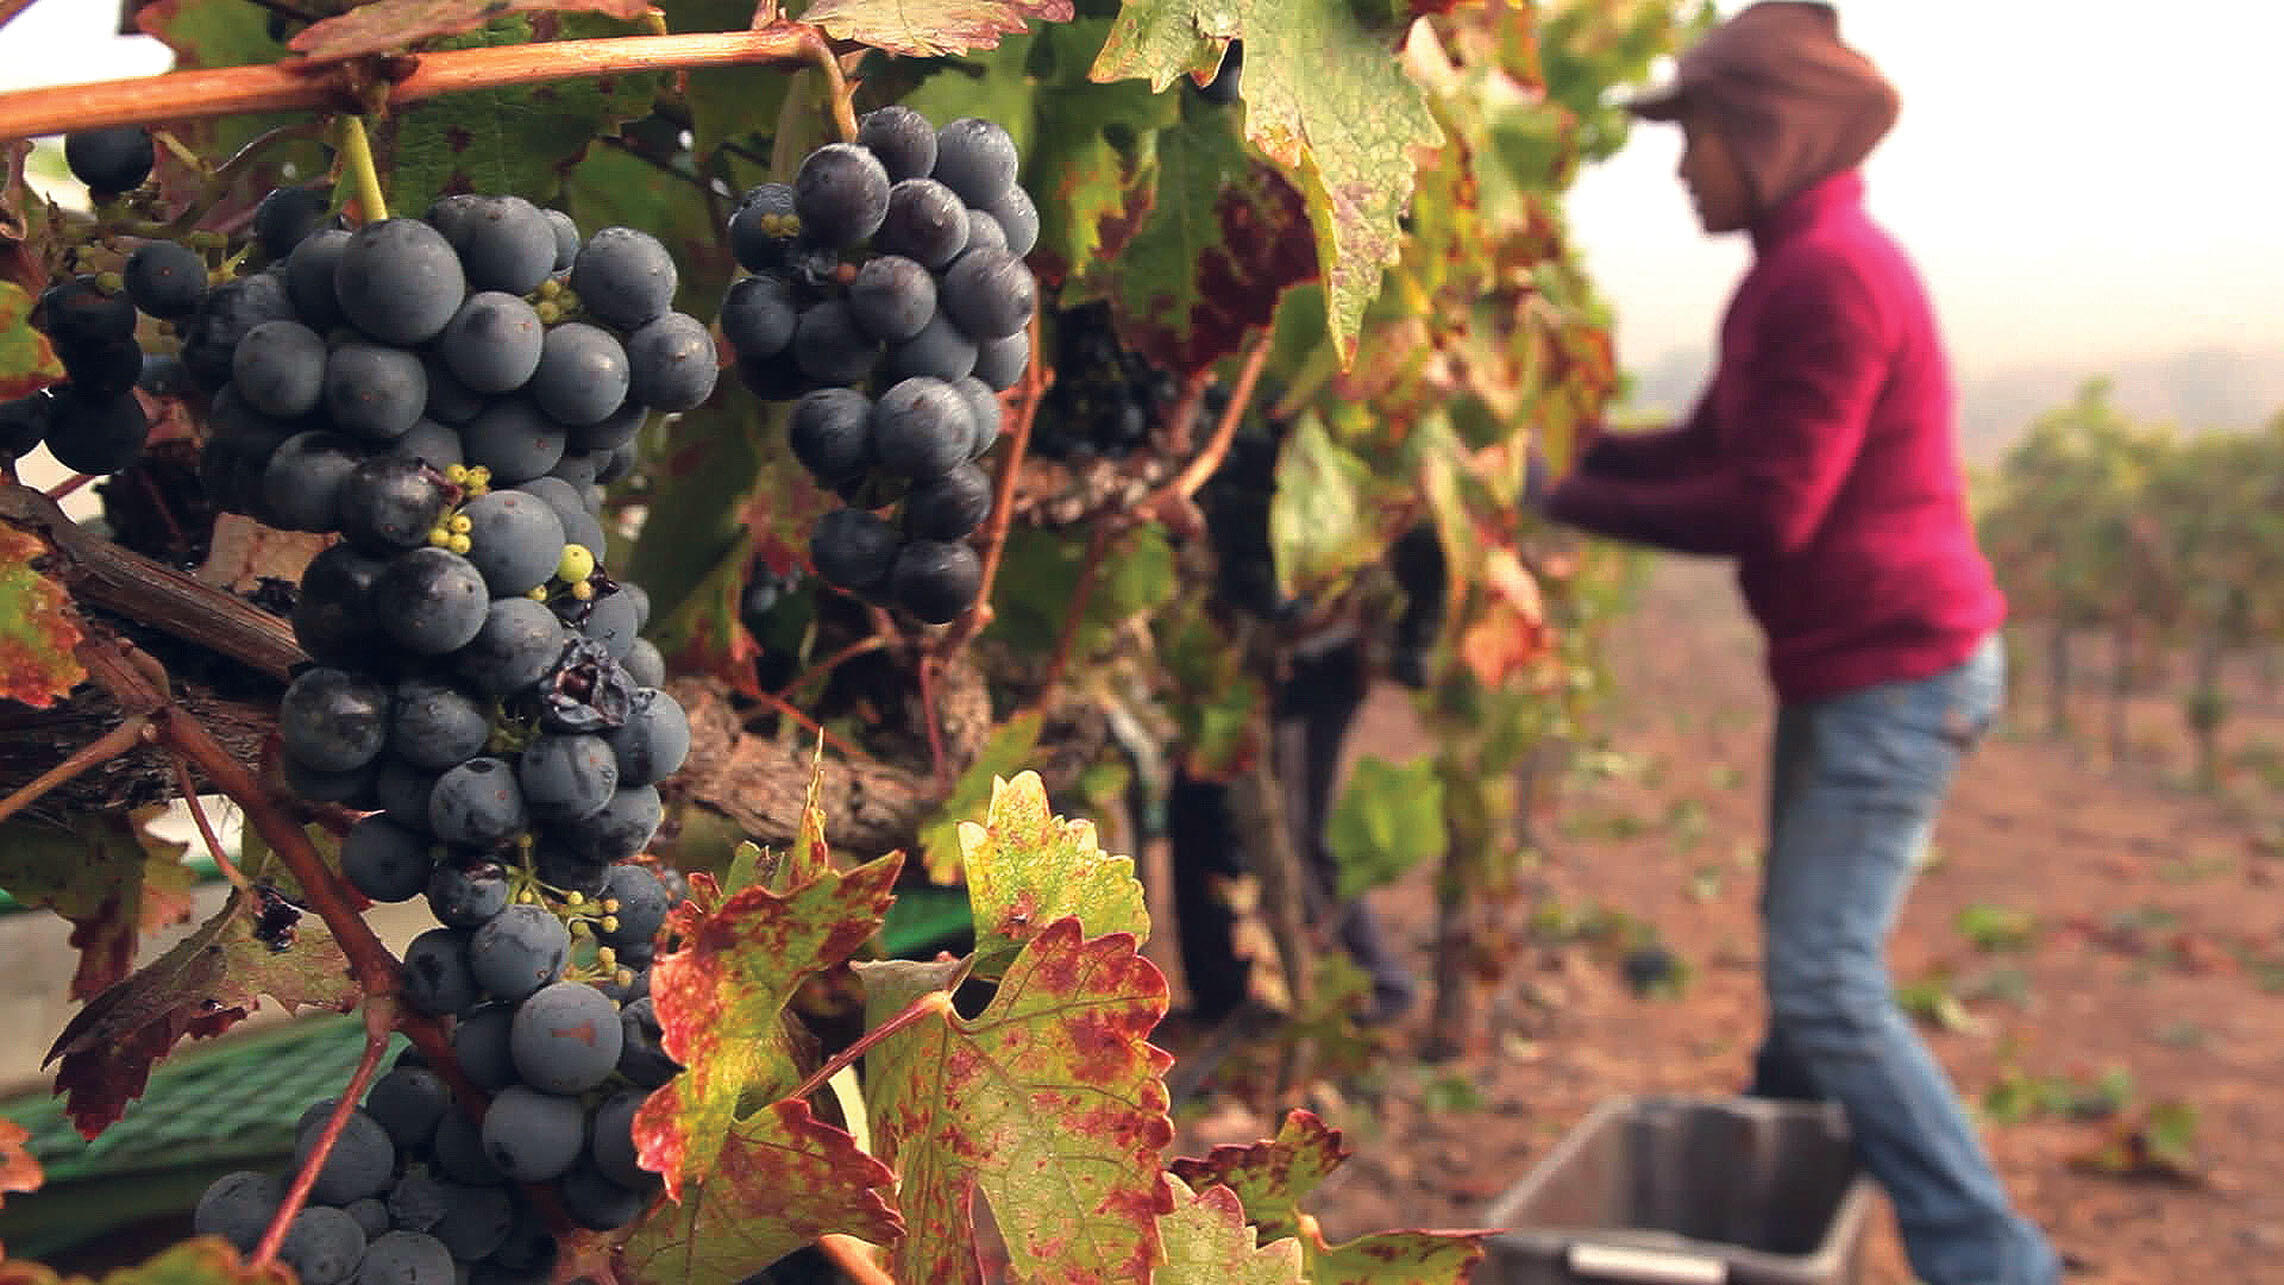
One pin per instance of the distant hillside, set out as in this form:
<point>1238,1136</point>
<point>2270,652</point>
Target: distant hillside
<point>2196,388</point>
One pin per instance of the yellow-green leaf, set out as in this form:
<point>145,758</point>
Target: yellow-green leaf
<point>1027,868</point>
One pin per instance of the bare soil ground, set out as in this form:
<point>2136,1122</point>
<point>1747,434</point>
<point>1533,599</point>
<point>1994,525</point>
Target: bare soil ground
<point>2157,950</point>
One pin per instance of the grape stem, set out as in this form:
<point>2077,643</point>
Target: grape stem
<point>307,85</point>
<point>1097,545</point>
<point>379,1021</point>
<point>920,1009</point>
<point>838,92</point>
<point>785,707</point>
<point>222,861</point>
<point>357,169</point>
<point>1185,484</point>
<point>68,485</point>
<point>1029,392</point>
<point>119,740</point>
<point>862,646</point>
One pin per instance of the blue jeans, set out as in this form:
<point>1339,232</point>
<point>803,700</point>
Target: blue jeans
<point>1856,783</point>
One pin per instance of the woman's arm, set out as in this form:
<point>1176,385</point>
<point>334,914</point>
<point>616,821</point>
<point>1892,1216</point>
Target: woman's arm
<point>1819,358</point>
<point>1666,452</point>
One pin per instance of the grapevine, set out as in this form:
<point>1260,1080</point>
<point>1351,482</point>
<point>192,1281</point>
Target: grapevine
<point>536,457</point>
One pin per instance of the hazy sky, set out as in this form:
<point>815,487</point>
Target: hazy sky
<point>2079,181</point>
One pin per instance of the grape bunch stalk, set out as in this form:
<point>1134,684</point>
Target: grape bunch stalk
<point>445,393</point>
<point>887,294</point>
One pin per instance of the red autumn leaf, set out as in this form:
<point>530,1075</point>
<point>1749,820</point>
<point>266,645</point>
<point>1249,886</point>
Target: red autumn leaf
<point>784,1178</point>
<point>721,999</point>
<point>208,983</point>
<point>113,881</point>
<point>38,628</point>
<point>1272,1178</point>
<point>1051,1104</point>
<point>932,30</point>
<point>387,25</point>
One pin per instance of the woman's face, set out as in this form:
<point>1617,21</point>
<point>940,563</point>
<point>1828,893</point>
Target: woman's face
<point>1715,181</point>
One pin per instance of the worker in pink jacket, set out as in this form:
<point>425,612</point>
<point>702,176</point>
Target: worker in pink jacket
<point>1822,459</point>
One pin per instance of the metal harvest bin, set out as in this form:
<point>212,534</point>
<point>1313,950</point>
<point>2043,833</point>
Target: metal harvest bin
<point>1688,1191</point>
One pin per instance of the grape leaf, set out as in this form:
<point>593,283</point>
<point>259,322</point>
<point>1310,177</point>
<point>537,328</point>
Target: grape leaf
<point>1322,522</point>
<point>1039,573</point>
<point>208,983</point>
<point>1051,1103</point>
<point>1511,632</point>
<point>386,25</point>
<point>522,139</point>
<point>1208,1243</point>
<point>1006,750</point>
<point>721,996</point>
<point>105,874</point>
<point>224,33</point>
<point>208,1260</point>
<point>1389,818</point>
<point>784,1178</point>
<point>1324,98</point>
<point>38,628</point>
<point>1027,868</point>
<point>931,30</point>
<point>27,361</point>
<point>1271,1178</point>
<point>1220,244</point>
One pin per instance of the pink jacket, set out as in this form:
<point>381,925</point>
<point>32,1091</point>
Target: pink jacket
<point>1822,458</point>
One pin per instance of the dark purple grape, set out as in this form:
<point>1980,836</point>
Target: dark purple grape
<point>166,279</point>
<point>925,221</point>
<point>976,159</point>
<point>935,580</point>
<point>830,433</point>
<point>990,294</point>
<point>903,140</point>
<point>623,277</point>
<point>518,642</point>
<point>892,298</point>
<point>514,439</point>
<point>949,506</point>
<point>520,950</point>
<point>399,281</point>
<point>430,602</point>
<point>671,363</point>
<point>492,345</point>
<point>841,193</point>
<point>287,217</point>
<point>110,161</point>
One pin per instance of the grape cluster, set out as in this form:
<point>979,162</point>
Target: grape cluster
<point>93,422</point>
<point>481,689</point>
<point>887,293</point>
<point>1105,399</point>
<point>417,1192</point>
<point>372,382</point>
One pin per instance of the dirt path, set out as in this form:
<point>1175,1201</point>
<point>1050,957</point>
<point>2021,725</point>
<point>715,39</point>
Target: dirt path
<point>2158,924</point>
